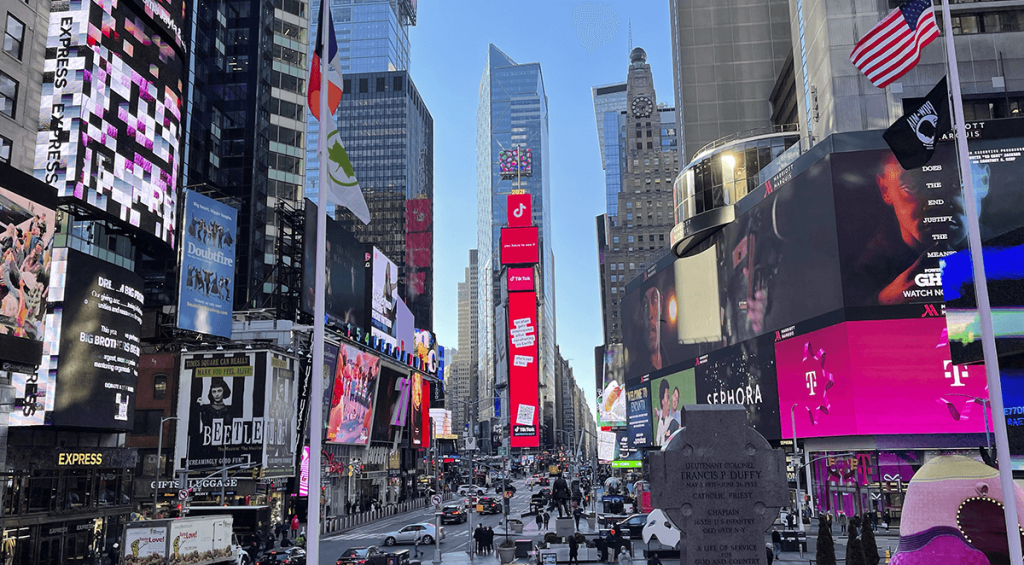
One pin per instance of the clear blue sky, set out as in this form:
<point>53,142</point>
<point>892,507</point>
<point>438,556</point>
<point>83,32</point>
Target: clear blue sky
<point>448,51</point>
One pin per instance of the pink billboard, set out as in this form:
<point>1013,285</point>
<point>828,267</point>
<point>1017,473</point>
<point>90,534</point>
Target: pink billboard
<point>877,377</point>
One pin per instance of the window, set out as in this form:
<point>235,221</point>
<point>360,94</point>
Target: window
<point>615,239</point>
<point>381,84</point>
<point>159,387</point>
<point>8,94</point>
<point>639,145</point>
<point>364,85</point>
<point>629,204</point>
<point>147,422</point>
<point>5,150</point>
<point>631,239</point>
<point>396,84</point>
<point>649,145</point>
<point>14,35</point>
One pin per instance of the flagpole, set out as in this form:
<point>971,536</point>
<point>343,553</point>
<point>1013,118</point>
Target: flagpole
<point>320,268</point>
<point>988,342</point>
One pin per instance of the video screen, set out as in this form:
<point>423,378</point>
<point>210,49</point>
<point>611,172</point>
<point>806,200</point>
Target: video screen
<point>670,394</point>
<point>524,392</point>
<point>639,410</point>
<point>419,256</point>
<point>442,423</point>
<point>394,396</point>
<point>384,299</point>
<point>97,363</point>
<point>743,374</point>
<point>207,266</point>
<point>111,109</point>
<point>169,14</point>
<point>519,246</point>
<point>355,384</point>
<point>611,397</point>
<point>345,285</point>
<point>426,351</point>
<point>515,162</point>
<point>417,411</point>
<point>281,421</point>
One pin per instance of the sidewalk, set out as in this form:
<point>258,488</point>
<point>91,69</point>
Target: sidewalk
<point>341,524</point>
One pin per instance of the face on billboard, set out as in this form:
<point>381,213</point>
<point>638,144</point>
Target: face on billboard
<point>384,298</point>
<point>649,327</point>
<point>671,393</point>
<point>345,285</point>
<point>416,431</point>
<point>612,396</point>
<point>355,384</point>
<point>112,100</point>
<point>640,408</point>
<point>98,361</point>
<point>894,225</point>
<point>523,368</point>
<point>519,246</point>
<point>207,266</point>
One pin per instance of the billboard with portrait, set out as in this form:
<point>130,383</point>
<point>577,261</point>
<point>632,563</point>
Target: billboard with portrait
<point>394,392</point>
<point>207,266</point>
<point>669,395</point>
<point>419,258</point>
<point>345,285</point>
<point>384,299</point>
<point>639,408</point>
<point>417,409</point>
<point>223,398</point>
<point>878,377</point>
<point>355,384</point>
<point>28,222</point>
<point>442,423</point>
<point>611,397</point>
<point>92,341</point>
<point>111,107</point>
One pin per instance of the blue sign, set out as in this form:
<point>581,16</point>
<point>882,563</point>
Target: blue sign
<point>207,266</point>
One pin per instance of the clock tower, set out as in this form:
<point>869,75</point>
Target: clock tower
<point>643,127</point>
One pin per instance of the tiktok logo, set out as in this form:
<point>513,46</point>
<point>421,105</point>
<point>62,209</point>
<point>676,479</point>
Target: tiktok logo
<point>812,380</point>
<point>518,212</point>
<point>956,374</point>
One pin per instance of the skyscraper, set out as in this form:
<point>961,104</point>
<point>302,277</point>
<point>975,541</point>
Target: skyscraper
<point>609,106</point>
<point>462,387</point>
<point>512,112</point>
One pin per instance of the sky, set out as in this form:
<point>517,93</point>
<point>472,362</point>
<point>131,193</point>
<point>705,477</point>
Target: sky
<point>578,45</point>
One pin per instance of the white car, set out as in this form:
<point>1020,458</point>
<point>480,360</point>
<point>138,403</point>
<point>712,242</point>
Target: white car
<point>424,532</point>
<point>466,490</point>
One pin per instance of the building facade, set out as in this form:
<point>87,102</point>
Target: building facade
<point>21,79</point>
<point>512,112</point>
<point>609,106</point>
<point>462,388</point>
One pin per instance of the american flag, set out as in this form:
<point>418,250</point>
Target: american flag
<point>893,46</point>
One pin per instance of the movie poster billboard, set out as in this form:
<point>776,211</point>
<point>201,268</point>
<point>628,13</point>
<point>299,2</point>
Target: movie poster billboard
<point>639,410</point>
<point>611,398</point>
<point>394,392</point>
<point>281,423</point>
<point>92,346</point>
<point>524,392</point>
<point>345,285</point>
<point>355,385</point>
<point>384,299</point>
<point>223,399</point>
<point>207,275</point>
<point>669,395</point>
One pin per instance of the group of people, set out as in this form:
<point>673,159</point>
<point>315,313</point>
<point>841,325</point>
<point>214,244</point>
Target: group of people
<point>484,537</point>
<point>210,233</point>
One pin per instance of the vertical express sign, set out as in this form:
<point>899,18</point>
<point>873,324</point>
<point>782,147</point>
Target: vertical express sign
<point>523,373</point>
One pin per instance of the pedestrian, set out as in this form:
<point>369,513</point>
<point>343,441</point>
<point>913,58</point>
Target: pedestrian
<point>886,518</point>
<point>488,540</point>
<point>577,514</point>
<point>602,548</point>
<point>540,519</point>
<point>295,525</point>
<point>776,542</point>
<point>769,554</point>
<point>478,538</point>
<point>842,521</point>
<point>625,558</point>
<point>828,520</point>
<point>416,544</point>
<point>654,559</point>
<point>574,550</point>
<point>281,531</point>
<point>547,518</point>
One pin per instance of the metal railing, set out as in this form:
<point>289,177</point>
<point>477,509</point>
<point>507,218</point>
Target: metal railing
<point>338,524</point>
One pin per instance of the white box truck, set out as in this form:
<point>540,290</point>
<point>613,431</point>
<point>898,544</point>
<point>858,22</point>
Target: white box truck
<point>200,540</point>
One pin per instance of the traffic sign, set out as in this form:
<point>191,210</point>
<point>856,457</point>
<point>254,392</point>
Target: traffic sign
<point>183,494</point>
<point>435,499</point>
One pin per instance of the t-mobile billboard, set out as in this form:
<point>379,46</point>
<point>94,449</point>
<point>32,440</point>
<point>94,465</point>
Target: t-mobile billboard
<point>523,373</point>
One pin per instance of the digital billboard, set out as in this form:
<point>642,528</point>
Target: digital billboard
<point>170,15</point>
<point>669,394</point>
<point>28,222</point>
<point>426,351</point>
<point>345,286</point>
<point>419,257</point>
<point>424,411</point>
<point>92,345</point>
<point>519,209</point>
<point>442,423</point>
<point>394,395</point>
<point>515,162</point>
<point>878,377</point>
<point>743,374</point>
<point>519,246</point>
<point>417,409</point>
<point>280,439</point>
<point>111,113</point>
<point>520,279</point>
<point>611,399</point>
<point>384,298</point>
<point>355,385</point>
<point>523,373</point>
<point>223,398</point>
<point>639,408</point>
<point>606,446</point>
<point>207,266</point>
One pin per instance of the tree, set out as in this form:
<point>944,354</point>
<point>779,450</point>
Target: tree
<point>854,550</point>
<point>826,551</point>
<point>868,544</point>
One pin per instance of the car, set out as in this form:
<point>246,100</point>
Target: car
<point>633,526</point>
<point>499,488</point>
<point>283,556</point>
<point>466,490</point>
<point>409,534</point>
<point>454,513</point>
<point>367,555</point>
<point>544,481</point>
<point>489,505</point>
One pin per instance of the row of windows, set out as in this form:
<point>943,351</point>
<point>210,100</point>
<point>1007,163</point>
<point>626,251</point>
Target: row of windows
<point>287,82</point>
<point>287,109</point>
<point>988,22</point>
<point>285,135</point>
<point>64,490</point>
<point>292,7</point>
<point>290,56</point>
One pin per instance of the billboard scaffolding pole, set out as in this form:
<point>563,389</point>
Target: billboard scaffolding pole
<point>988,341</point>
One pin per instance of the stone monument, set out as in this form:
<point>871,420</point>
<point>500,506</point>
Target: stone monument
<point>721,484</point>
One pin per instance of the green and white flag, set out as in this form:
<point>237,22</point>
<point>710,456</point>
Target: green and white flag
<point>342,187</point>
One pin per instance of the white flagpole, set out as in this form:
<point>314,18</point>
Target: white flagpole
<point>316,393</point>
<point>988,341</point>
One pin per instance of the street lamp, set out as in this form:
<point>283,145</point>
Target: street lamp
<point>159,454</point>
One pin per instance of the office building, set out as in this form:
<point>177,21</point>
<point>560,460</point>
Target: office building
<point>21,80</point>
<point>512,112</point>
<point>609,106</point>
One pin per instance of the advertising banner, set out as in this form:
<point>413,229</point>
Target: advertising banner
<point>419,257</point>
<point>281,423</point>
<point>878,377</point>
<point>223,398</point>
<point>355,384</point>
<point>520,210</point>
<point>145,545</point>
<point>669,395</point>
<point>424,412</point>
<point>304,472</point>
<point>524,394</point>
<point>345,302</point>
<point>426,351</point>
<point>111,108</point>
<point>520,279</point>
<point>1013,405</point>
<point>519,246</point>
<point>199,541</point>
<point>384,299</point>
<point>611,397</point>
<point>416,415</point>
<point>93,344</point>
<point>743,374</point>
<point>639,410</point>
<point>606,444</point>
<point>207,266</point>
<point>394,396</point>
<point>442,423</point>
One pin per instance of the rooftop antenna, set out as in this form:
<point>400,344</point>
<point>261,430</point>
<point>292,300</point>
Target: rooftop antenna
<point>630,25</point>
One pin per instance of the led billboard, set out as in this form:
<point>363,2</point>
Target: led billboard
<point>207,266</point>
<point>638,413</point>
<point>355,385</point>
<point>417,410</point>
<point>280,439</point>
<point>384,299</point>
<point>394,392</point>
<point>442,423</point>
<point>519,208</point>
<point>669,394</point>
<point>743,374</point>
<point>345,286</point>
<point>426,351</point>
<point>523,373</point>
<point>611,398</point>
<point>419,257</point>
<point>515,162</point>
<point>93,342</point>
<point>519,246</point>
<point>111,113</point>
<point>520,279</point>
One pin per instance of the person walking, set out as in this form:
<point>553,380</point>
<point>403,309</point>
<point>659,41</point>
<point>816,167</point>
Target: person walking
<point>625,558</point>
<point>577,514</point>
<point>776,542</point>
<point>295,525</point>
<point>574,550</point>
<point>654,559</point>
<point>540,519</point>
<point>416,544</point>
<point>490,539</point>
<point>547,518</point>
<point>478,537</point>
<point>842,521</point>
<point>828,520</point>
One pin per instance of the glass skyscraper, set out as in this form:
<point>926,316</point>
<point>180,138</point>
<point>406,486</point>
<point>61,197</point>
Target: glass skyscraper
<point>512,111</point>
<point>609,108</point>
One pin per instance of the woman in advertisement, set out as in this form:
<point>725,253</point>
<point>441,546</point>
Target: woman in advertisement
<point>217,409</point>
<point>417,409</point>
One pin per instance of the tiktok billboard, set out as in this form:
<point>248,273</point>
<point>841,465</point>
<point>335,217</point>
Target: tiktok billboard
<point>524,393</point>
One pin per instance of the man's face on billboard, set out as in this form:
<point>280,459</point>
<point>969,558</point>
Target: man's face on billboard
<point>913,202</point>
<point>675,399</point>
<point>665,402</point>
<point>652,316</point>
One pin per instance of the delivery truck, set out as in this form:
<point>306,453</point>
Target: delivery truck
<point>200,540</point>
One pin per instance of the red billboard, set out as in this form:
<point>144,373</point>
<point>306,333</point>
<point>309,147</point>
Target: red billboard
<point>519,246</point>
<point>425,415</point>
<point>524,394</point>
<point>520,279</point>
<point>520,211</point>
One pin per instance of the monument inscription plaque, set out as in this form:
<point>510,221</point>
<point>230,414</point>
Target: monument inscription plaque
<point>721,484</point>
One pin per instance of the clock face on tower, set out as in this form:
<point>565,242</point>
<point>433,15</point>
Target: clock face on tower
<point>642,106</point>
